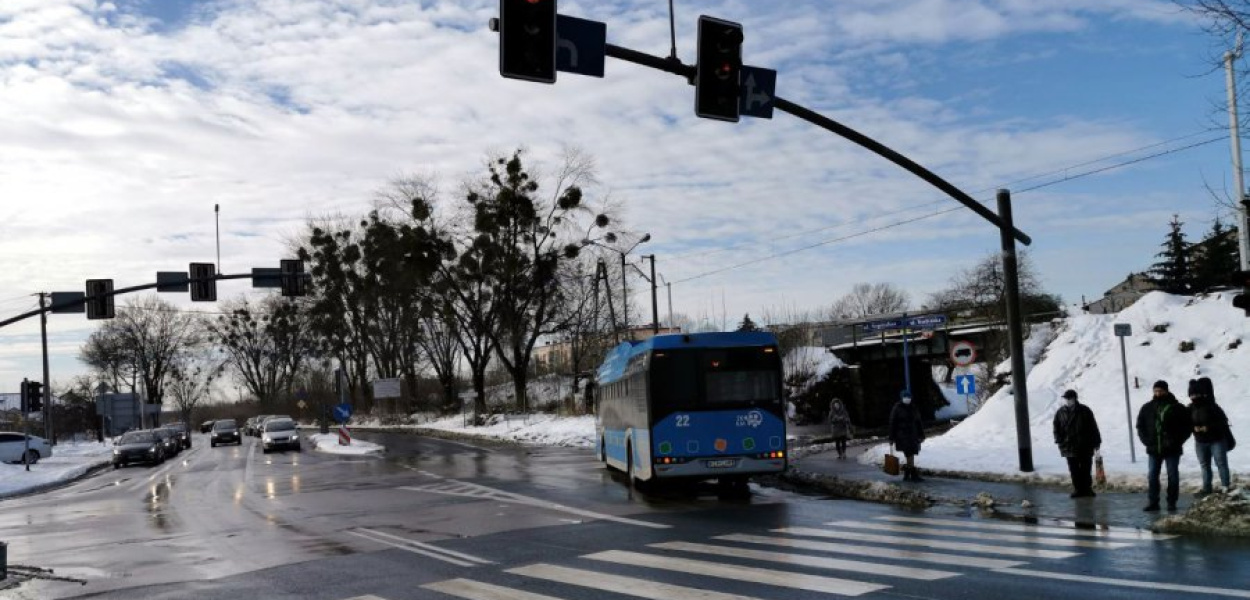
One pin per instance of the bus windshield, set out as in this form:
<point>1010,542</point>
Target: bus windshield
<point>714,377</point>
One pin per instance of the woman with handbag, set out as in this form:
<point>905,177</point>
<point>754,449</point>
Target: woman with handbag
<point>906,434</point>
<point>839,425</point>
<point>1213,438</point>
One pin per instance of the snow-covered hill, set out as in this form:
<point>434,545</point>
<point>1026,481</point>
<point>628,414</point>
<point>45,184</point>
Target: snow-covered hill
<point>1085,356</point>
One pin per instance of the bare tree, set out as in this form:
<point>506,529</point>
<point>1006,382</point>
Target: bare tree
<point>191,379</point>
<point>868,299</point>
<point>265,345</point>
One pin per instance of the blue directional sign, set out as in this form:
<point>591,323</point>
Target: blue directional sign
<point>966,384</point>
<point>342,412</point>
<point>921,322</point>
<point>759,87</point>
<point>580,45</point>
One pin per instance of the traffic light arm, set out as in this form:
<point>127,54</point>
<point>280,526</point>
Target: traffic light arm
<point>116,292</point>
<point>676,67</point>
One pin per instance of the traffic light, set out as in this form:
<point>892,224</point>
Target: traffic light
<point>32,396</point>
<point>1242,300</point>
<point>719,67</point>
<point>100,299</point>
<point>527,40</point>
<point>293,278</point>
<point>203,284</point>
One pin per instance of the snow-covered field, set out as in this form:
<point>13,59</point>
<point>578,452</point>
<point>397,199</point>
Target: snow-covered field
<point>1085,356</point>
<point>69,461</point>
<point>329,444</point>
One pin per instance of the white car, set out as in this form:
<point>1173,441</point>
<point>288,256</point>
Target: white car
<point>279,432</point>
<point>12,445</point>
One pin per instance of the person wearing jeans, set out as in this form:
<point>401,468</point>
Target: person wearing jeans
<point>1156,467</point>
<point>1212,435</point>
<point>1219,452</point>
<point>1163,426</point>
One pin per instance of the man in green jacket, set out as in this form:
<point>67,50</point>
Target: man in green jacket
<point>1163,425</point>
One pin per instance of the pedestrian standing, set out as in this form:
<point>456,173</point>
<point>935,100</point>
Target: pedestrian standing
<point>1077,435</point>
<point>839,425</point>
<point>1212,434</point>
<point>906,433</point>
<point>1163,425</point>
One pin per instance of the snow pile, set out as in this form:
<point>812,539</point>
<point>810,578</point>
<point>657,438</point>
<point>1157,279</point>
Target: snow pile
<point>1175,338</point>
<point>329,444</point>
<point>536,429</point>
<point>809,365</point>
<point>1220,513</point>
<point>69,461</point>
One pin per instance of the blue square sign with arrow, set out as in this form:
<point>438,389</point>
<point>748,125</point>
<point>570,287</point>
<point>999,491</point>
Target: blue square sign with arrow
<point>966,384</point>
<point>342,412</point>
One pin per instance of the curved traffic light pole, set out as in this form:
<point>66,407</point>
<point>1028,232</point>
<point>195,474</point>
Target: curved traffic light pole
<point>676,67</point>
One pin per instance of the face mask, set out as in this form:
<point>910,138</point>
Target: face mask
<point>1070,401</point>
<point>906,400</point>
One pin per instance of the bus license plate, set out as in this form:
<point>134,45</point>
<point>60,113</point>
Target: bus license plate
<point>721,463</point>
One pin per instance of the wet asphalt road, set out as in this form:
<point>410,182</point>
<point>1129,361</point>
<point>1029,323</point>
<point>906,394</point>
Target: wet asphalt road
<point>443,519</point>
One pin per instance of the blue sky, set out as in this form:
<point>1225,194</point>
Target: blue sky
<point>124,122</point>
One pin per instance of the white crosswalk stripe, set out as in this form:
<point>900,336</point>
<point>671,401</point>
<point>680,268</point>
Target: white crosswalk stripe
<point>811,583</point>
<point>980,535</point>
<point>856,536</point>
<point>630,586</point>
<point>476,590</point>
<point>804,560</point>
<point>959,560</point>
<point>1116,534</point>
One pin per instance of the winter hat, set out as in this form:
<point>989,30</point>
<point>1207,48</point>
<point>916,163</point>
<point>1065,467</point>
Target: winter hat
<point>1070,394</point>
<point>1195,388</point>
<point>1161,385</point>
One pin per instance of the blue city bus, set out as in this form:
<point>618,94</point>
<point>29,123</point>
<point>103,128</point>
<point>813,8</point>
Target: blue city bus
<point>696,406</point>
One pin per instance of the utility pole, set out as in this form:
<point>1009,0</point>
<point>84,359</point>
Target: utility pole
<point>49,431</point>
<point>1015,333</point>
<point>1234,137</point>
<point>669,285</point>
<point>217,217</point>
<point>624,298</point>
<point>655,306</point>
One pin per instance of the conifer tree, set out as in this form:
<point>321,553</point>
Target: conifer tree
<point>1173,273</point>
<point>1217,258</point>
<point>747,324</point>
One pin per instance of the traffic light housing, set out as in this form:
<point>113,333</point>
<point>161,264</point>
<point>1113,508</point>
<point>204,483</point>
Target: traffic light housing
<point>718,70</point>
<point>100,299</point>
<point>203,282</point>
<point>293,278</point>
<point>527,40</point>
<point>32,397</point>
<point>1242,300</point>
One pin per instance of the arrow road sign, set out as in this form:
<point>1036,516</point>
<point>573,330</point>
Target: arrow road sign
<point>342,412</point>
<point>759,87</point>
<point>580,45</point>
<point>966,384</point>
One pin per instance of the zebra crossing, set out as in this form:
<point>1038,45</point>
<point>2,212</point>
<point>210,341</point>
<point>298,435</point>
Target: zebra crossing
<point>836,560</point>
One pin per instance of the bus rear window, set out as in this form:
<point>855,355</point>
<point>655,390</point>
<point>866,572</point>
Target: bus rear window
<point>689,379</point>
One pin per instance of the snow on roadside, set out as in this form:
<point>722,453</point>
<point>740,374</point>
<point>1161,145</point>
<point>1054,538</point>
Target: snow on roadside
<point>69,461</point>
<point>1085,356</point>
<point>329,444</point>
<point>535,429</point>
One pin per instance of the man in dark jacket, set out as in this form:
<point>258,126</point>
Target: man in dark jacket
<point>1076,434</point>
<point>1211,432</point>
<point>1163,425</point>
<point>906,433</point>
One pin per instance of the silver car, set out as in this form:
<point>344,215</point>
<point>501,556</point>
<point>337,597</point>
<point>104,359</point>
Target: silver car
<point>13,445</point>
<point>279,433</point>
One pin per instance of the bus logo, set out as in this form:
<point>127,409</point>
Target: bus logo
<point>752,419</point>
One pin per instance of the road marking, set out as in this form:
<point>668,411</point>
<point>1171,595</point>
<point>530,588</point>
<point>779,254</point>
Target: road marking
<point>475,490</point>
<point>980,535</point>
<point>801,581</point>
<point>630,586</point>
<point>809,561</point>
<point>430,547</point>
<point>366,597</point>
<point>875,551</point>
<point>1110,533</point>
<point>939,544</point>
<point>476,590</point>
<point>420,551</point>
<point>1150,585</point>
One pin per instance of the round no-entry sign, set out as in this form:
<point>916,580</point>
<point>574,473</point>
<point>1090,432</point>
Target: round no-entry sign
<point>963,353</point>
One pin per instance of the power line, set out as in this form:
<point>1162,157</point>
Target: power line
<point>942,212</point>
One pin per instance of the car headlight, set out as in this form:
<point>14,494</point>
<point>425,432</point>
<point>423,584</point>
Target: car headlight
<point>116,451</point>
<point>152,450</point>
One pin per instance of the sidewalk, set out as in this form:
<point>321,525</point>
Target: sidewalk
<point>1122,509</point>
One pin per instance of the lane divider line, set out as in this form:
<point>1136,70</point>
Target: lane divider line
<point>430,547</point>
<point>384,542</point>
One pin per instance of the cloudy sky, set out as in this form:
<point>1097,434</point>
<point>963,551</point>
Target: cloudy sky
<point>122,123</point>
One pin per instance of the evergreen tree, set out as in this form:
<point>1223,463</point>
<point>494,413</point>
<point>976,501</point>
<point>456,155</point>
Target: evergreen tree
<point>1216,259</point>
<point>747,324</point>
<point>1173,273</point>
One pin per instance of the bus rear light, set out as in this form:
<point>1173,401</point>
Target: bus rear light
<point>671,460</point>
<point>776,454</point>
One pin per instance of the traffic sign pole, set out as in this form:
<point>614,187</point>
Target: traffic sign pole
<point>1123,330</point>
<point>906,365</point>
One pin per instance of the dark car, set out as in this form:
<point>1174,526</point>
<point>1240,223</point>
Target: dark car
<point>225,431</point>
<point>183,434</point>
<point>279,433</point>
<point>138,446</point>
<point>169,437</point>
<point>206,426</point>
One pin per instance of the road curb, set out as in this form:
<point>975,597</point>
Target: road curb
<point>47,487</point>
